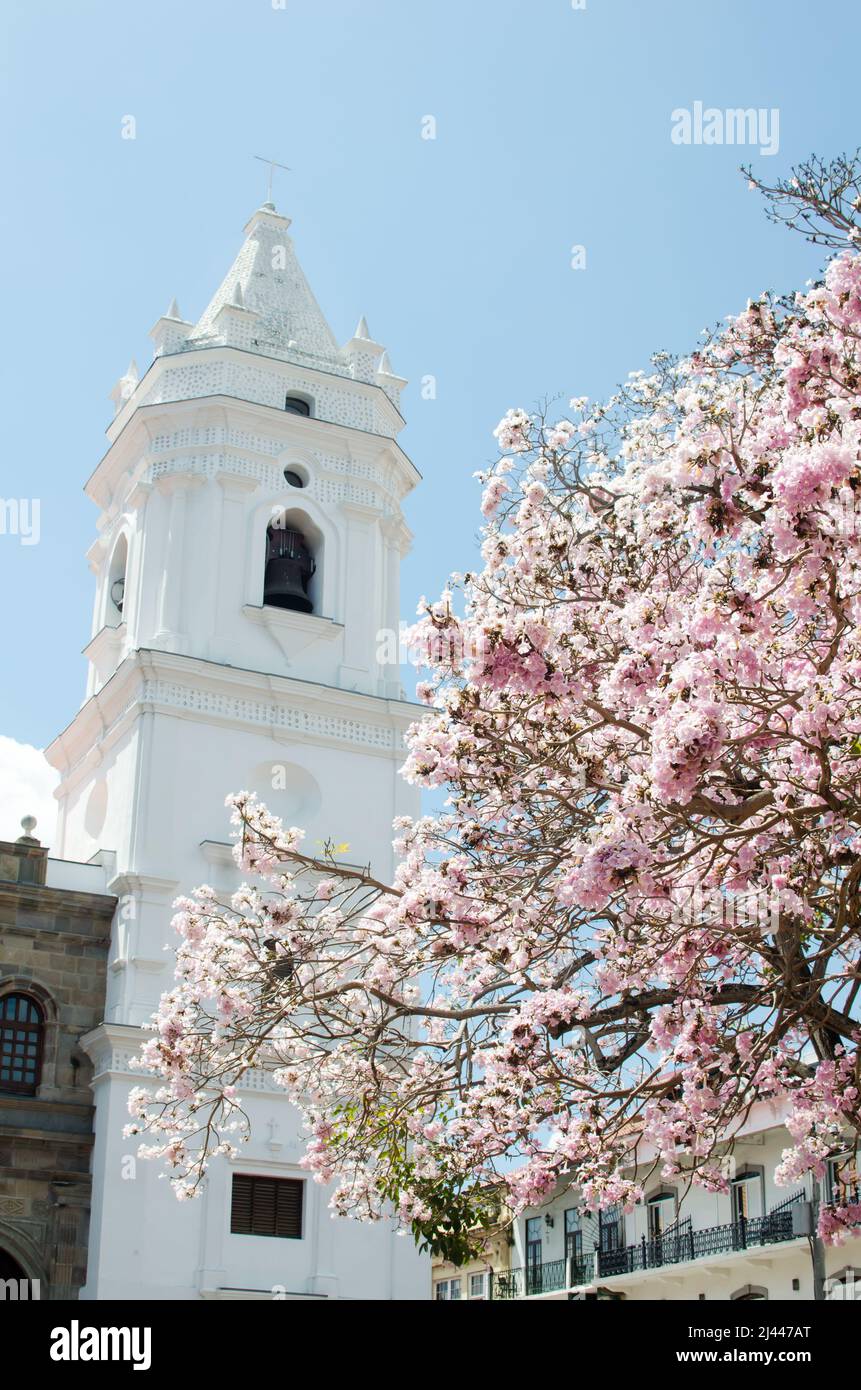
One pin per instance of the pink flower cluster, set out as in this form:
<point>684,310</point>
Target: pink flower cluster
<point>650,695</point>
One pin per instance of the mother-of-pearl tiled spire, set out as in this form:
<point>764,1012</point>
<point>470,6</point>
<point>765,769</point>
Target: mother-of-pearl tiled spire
<point>288,321</point>
<point>264,306</point>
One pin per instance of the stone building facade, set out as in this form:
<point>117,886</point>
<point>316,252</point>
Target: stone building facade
<point>53,956</point>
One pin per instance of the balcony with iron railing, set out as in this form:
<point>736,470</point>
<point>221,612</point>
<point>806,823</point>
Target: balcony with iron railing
<point>551,1277</point>
<point>677,1245</point>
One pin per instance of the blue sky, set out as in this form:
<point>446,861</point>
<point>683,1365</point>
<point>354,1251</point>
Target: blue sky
<point>553,129</point>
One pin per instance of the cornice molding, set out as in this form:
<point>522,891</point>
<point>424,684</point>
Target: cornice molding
<point>170,483</point>
<point>236,484</point>
<point>143,884</point>
<point>111,1047</point>
<point>69,901</point>
<point>106,645</point>
<point>126,445</point>
<point>188,687</point>
<point>218,852</point>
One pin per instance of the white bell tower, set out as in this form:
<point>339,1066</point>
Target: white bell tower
<point>250,536</point>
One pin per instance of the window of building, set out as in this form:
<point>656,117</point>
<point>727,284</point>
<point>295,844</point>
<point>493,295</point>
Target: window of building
<point>751,1293</point>
<point>610,1229</point>
<point>447,1289</point>
<point>478,1286</point>
<point>746,1196</point>
<point>294,478</point>
<point>843,1184</point>
<point>266,1207</point>
<point>661,1210</point>
<point>573,1235</point>
<point>295,405</point>
<point>533,1241</point>
<point>21,1030</point>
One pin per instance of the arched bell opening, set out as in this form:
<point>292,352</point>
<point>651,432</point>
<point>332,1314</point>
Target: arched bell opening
<point>116,596</point>
<point>291,565</point>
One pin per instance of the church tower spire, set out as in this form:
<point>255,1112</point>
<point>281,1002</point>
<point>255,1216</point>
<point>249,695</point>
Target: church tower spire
<point>288,321</point>
<point>189,496</point>
<point>246,566</point>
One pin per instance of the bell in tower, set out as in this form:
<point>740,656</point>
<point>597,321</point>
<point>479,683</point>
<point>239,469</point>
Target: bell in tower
<point>290,568</point>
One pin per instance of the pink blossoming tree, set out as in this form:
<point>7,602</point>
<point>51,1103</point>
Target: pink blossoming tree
<point>639,912</point>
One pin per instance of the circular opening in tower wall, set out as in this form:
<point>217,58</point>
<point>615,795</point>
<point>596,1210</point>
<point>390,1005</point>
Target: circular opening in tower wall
<point>295,478</point>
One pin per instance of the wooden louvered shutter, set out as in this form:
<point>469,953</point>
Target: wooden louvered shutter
<point>288,1210</point>
<point>266,1207</point>
<point>240,1208</point>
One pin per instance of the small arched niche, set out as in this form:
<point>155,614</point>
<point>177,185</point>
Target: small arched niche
<point>293,563</point>
<point>288,790</point>
<point>96,809</point>
<point>116,596</point>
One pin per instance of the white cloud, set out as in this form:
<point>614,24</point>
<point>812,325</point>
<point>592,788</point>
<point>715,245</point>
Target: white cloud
<point>27,783</point>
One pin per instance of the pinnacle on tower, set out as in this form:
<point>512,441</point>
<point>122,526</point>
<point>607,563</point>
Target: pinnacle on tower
<point>362,354</point>
<point>125,387</point>
<point>170,331</point>
<point>389,380</point>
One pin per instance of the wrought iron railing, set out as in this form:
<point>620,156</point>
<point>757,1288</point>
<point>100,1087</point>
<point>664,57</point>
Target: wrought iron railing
<point>534,1279</point>
<point>681,1242</point>
<point>669,1248</point>
<point>673,1246</point>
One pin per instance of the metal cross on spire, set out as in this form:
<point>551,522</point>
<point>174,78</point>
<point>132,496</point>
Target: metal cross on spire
<point>273,165</point>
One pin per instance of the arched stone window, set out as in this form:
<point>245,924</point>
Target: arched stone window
<point>751,1293</point>
<point>22,1027</point>
<point>290,567</point>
